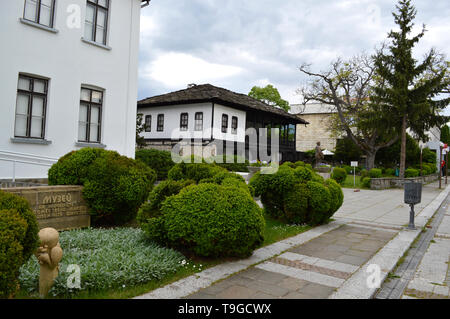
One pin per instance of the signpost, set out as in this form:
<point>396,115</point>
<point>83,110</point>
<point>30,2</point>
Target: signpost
<point>354,164</point>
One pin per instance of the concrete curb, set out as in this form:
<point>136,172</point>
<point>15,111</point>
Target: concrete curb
<point>356,287</point>
<point>189,285</point>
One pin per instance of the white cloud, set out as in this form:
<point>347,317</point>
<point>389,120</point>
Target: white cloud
<point>176,70</point>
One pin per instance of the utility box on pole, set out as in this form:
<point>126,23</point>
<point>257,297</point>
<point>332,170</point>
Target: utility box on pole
<point>413,196</point>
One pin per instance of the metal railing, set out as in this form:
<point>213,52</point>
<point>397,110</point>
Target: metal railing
<point>23,158</point>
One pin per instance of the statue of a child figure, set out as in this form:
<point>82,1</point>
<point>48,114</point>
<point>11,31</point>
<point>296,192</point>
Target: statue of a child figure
<point>49,254</point>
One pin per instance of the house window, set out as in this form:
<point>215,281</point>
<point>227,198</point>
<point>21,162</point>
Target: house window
<point>96,24</point>
<point>184,120</point>
<point>234,124</point>
<point>40,11</point>
<point>224,123</point>
<point>90,118</point>
<point>199,121</point>
<point>148,123</point>
<point>31,107</point>
<point>160,126</point>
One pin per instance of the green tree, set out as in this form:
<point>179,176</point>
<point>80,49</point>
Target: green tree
<point>346,151</point>
<point>140,127</point>
<point>389,156</point>
<point>410,89</point>
<point>269,95</point>
<point>347,87</point>
<point>445,134</point>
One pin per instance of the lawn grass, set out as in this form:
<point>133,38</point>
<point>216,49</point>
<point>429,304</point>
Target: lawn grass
<point>348,183</point>
<point>274,231</point>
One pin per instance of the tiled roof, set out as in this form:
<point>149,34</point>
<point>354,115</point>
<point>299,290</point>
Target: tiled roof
<point>210,93</point>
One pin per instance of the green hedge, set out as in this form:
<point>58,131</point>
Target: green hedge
<point>115,186</point>
<point>365,182</point>
<point>375,173</point>
<point>160,161</point>
<point>18,239</point>
<point>209,220</point>
<point>232,163</point>
<point>297,195</point>
<point>194,171</point>
<point>339,175</point>
<point>411,172</point>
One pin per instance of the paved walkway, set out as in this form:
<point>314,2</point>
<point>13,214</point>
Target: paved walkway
<point>330,261</point>
<point>431,280</point>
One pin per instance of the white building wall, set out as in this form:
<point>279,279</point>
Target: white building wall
<point>172,115</point>
<point>241,115</point>
<point>69,63</point>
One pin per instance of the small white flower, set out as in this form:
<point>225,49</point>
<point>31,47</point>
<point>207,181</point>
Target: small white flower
<point>183,262</point>
<point>123,286</point>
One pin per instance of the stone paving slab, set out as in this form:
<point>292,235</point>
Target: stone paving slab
<point>314,269</point>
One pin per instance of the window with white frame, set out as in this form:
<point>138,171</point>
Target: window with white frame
<point>184,121</point>
<point>90,117</point>
<point>234,125</point>
<point>160,123</point>
<point>224,123</point>
<point>31,107</point>
<point>199,121</point>
<point>40,11</point>
<point>96,23</point>
<point>148,123</point>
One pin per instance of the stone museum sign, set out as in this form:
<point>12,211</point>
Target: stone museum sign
<point>59,207</point>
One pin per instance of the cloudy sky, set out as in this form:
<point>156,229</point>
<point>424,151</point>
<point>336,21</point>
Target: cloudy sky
<point>237,44</point>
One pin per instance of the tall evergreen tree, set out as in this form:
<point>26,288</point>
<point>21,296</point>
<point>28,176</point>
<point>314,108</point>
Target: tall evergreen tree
<point>445,134</point>
<point>411,89</point>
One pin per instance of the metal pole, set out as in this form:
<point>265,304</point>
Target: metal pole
<point>411,217</point>
<point>446,169</point>
<point>354,176</point>
<point>421,161</point>
<point>440,167</point>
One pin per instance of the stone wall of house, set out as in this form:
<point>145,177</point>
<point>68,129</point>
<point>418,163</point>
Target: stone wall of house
<point>317,131</point>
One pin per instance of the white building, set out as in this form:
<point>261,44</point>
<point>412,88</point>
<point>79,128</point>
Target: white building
<point>214,117</point>
<point>68,80</point>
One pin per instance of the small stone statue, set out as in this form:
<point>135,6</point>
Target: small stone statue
<point>319,155</point>
<point>49,254</point>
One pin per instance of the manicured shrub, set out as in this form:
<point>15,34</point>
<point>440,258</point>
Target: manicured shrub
<point>156,197</point>
<point>160,161</point>
<point>296,205</point>
<point>297,195</point>
<point>13,229</point>
<point>365,182</point>
<point>364,173</point>
<point>389,172</point>
<point>194,171</point>
<point>375,173</point>
<point>411,172</point>
<point>348,169</point>
<point>337,196</point>
<point>309,166</point>
<point>209,220</point>
<point>339,175</point>
<point>115,186</point>
<point>232,163</point>
<point>10,201</point>
<point>299,163</point>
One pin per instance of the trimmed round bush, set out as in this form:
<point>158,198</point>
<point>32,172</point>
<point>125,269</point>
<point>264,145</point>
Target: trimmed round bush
<point>296,205</point>
<point>365,182</point>
<point>411,172</point>
<point>209,220</point>
<point>297,195</point>
<point>115,186</point>
<point>156,197</point>
<point>232,163</point>
<point>299,163</point>
<point>13,230</point>
<point>30,241</point>
<point>337,196</point>
<point>194,171</point>
<point>375,173</point>
<point>364,173</point>
<point>160,161</point>
<point>339,175</point>
<point>389,172</point>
